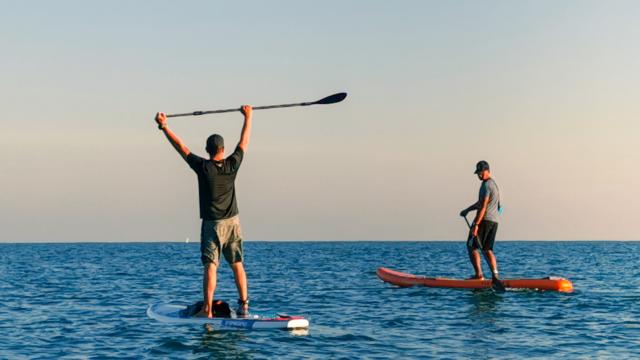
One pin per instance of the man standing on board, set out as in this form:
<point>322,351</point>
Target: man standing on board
<point>485,225</point>
<point>220,231</point>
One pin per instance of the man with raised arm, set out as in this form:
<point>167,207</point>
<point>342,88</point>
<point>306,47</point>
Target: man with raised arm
<point>220,232</point>
<point>485,225</point>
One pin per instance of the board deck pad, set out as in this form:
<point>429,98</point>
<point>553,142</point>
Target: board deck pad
<point>404,279</point>
<point>175,314</point>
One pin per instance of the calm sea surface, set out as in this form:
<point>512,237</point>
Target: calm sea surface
<point>89,301</point>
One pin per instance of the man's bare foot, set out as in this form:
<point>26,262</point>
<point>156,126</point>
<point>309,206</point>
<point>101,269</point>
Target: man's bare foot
<point>476,277</point>
<point>202,314</point>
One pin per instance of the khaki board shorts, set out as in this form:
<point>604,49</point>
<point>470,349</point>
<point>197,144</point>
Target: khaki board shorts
<point>221,236</point>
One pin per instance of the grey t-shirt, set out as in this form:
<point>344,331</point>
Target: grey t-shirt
<point>490,188</point>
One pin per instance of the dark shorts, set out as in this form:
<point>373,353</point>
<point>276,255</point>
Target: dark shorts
<point>486,235</point>
<point>221,236</point>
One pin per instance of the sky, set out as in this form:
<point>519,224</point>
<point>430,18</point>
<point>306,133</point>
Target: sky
<point>545,91</point>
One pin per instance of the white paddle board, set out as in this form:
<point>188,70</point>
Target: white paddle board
<point>174,314</point>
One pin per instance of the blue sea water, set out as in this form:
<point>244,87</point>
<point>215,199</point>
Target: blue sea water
<point>89,301</point>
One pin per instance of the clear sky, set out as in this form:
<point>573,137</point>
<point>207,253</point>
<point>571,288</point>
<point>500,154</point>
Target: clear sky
<point>546,91</point>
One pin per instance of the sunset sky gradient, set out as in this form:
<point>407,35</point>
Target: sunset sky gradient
<point>545,91</point>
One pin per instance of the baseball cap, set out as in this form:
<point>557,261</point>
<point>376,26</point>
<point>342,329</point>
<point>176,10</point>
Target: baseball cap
<point>481,166</point>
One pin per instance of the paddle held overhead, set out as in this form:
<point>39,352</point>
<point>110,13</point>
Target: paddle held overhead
<point>331,99</point>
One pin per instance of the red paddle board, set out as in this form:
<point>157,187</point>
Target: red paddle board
<point>404,279</point>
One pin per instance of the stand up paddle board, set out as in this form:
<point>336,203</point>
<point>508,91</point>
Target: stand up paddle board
<point>404,279</point>
<point>175,314</point>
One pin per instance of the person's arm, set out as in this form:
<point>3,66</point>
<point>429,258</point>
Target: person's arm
<point>175,141</point>
<point>246,128</point>
<point>474,206</point>
<point>480,215</point>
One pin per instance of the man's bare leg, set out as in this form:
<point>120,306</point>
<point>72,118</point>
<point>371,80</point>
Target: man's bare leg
<point>474,256</point>
<point>491,259</point>
<point>241,282</point>
<point>209,279</point>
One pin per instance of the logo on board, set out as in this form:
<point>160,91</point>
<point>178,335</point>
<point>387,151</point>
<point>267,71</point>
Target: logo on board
<point>237,324</point>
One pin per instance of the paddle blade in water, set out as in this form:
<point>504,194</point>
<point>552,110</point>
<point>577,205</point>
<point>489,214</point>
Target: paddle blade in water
<point>332,99</point>
<point>498,286</point>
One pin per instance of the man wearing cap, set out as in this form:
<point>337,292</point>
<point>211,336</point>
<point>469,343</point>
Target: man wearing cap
<point>485,224</point>
<point>220,232</point>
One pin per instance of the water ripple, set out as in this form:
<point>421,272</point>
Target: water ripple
<point>89,300</point>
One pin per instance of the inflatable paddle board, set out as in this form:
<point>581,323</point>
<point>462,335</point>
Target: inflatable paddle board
<point>174,314</point>
<point>404,279</point>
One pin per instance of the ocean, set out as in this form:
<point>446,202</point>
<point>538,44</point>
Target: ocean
<point>89,300</point>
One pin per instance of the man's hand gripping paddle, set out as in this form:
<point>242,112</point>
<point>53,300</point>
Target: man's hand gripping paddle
<point>496,284</point>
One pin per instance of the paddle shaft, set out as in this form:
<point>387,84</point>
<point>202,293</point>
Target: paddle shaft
<point>475,237</point>
<point>196,113</point>
<point>497,284</point>
<point>331,99</point>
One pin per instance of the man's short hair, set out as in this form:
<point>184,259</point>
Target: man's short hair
<point>215,142</point>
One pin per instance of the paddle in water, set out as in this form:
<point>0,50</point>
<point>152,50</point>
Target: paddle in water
<point>331,99</point>
<point>496,284</point>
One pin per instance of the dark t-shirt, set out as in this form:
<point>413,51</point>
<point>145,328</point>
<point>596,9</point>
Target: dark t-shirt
<point>216,184</point>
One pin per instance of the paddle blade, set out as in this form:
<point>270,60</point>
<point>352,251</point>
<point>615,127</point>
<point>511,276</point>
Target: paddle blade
<point>497,285</point>
<point>332,99</point>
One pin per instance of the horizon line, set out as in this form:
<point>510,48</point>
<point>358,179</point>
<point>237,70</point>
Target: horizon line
<point>296,241</point>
